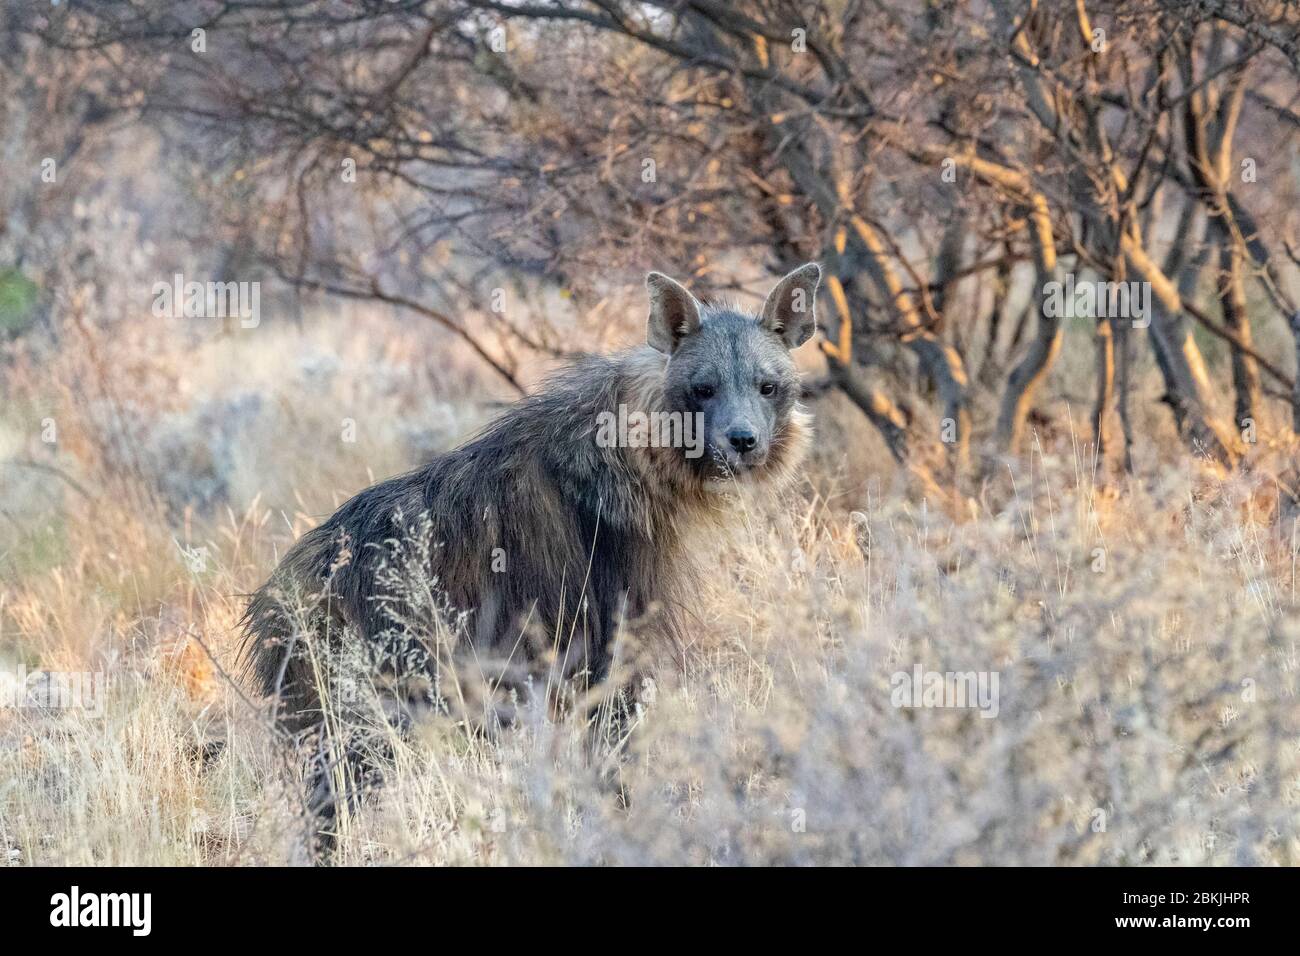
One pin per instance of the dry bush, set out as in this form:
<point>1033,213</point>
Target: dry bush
<point>1144,636</point>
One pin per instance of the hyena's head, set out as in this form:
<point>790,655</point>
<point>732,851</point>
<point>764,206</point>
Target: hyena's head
<point>736,371</point>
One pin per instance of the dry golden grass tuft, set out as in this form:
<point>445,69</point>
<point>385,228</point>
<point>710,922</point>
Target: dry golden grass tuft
<point>1143,633</point>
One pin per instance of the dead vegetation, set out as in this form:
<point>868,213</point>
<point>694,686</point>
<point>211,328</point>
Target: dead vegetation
<point>1099,511</point>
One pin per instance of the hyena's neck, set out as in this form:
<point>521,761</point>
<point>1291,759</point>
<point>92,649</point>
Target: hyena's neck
<point>653,491</point>
<point>662,462</point>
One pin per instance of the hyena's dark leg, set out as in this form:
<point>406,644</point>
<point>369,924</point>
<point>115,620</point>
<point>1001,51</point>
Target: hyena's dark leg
<point>614,716</point>
<point>296,658</point>
<point>340,774</point>
<point>368,712</point>
<point>613,723</point>
<point>630,687</point>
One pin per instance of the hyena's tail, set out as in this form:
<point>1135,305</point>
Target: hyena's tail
<point>284,618</point>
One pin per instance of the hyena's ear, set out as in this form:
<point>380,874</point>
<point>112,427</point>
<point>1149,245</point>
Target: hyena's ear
<point>790,310</point>
<point>674,313</point>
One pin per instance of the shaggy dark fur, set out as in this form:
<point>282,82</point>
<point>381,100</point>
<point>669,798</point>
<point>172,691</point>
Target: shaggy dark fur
<point>532,543</point>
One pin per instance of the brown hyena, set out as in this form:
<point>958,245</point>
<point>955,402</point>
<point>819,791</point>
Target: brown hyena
<point>531,544</point>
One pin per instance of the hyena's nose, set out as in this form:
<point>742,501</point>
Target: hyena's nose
<point>742,439</point>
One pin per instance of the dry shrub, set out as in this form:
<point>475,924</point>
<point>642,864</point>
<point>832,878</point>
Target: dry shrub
<point>1143,634</point>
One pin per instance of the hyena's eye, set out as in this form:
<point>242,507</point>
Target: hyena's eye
<point>702,391</point>
<point>767,388</point>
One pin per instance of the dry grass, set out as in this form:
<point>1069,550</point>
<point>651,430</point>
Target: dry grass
<point>1147,709</point>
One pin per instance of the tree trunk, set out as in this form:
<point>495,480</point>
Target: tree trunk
<point>1024,380</point>
<point>1187,383</point>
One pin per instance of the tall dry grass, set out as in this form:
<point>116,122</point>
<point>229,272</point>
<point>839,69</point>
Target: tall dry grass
<point>1143,631</point>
